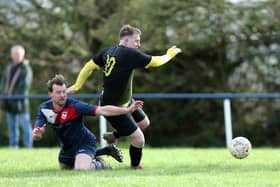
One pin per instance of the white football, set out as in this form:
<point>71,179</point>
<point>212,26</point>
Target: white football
<point>240,147</point>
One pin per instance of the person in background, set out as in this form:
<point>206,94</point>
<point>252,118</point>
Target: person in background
<point>16,80</point>
<point>65,115</point>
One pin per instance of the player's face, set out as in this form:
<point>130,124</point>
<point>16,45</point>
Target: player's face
<point>58,95</point>
<point>133,41</point>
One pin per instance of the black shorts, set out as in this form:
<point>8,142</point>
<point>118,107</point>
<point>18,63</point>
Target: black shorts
<point>126,124</point>
<point>67,156</point>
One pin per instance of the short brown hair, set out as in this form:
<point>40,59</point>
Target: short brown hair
<point>128,30</point>
<point>58,80</point>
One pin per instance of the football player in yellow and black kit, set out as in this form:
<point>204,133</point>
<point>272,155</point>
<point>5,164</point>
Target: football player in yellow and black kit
<point>118,64</point>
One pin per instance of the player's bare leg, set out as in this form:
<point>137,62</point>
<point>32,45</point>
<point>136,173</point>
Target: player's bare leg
<point>83,162</point>
<point>111,138</point>
<point>137,138</point>
<point>144,123</point>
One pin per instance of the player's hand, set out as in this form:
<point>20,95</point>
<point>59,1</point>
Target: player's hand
<point>173,51</point>
<point>135,105</point>
<point>38,132</point>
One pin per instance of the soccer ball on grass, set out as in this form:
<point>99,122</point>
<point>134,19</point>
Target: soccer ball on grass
<point>240,147</point>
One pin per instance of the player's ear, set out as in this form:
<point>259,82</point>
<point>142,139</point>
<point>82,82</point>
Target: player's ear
<point>126,39</point>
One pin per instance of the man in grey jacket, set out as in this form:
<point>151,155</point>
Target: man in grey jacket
<point>16,80</point>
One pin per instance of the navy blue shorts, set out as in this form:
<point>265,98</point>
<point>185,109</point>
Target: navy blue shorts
<point>67,156</point>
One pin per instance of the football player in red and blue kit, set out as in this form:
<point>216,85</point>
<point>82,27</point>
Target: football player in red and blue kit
<point>65,116</point>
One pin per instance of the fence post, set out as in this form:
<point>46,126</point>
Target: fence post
<point>102,130</point>
<point>228,121</point>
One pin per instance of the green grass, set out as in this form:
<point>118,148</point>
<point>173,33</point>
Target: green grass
<point>163,167</point>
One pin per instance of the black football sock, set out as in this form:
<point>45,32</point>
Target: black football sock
<point>135,155</point>
<point>101,151</point>
<point>115,133</point>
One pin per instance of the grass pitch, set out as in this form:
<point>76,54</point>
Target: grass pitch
<point>162,167</point>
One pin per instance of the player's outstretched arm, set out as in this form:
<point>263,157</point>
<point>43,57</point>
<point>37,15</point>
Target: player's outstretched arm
<point>160,60</point>
<point>110,110</point>
<point>86,71</point>
<point>38,132</point>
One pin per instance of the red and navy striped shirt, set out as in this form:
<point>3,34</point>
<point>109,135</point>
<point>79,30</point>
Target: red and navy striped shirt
<point>68,123</point>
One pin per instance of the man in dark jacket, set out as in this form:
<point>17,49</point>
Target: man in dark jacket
<point>16,80</point>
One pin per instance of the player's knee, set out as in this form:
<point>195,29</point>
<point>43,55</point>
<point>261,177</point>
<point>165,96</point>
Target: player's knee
<point>138,139</point>
<point>83,162</point>
<point>139,142</point>
<point>144,123</point>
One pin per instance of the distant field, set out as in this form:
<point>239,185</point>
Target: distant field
<point>163,167</point>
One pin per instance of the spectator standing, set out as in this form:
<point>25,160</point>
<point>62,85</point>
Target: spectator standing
<point>16,80</point>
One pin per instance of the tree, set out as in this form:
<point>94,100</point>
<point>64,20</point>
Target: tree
<point>226,48</point>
